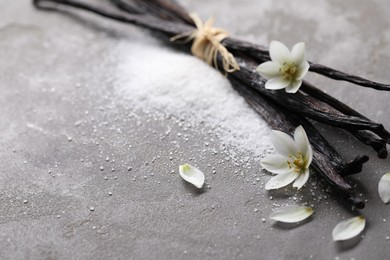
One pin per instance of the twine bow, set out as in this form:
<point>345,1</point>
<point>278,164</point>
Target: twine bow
<point>207,44</point>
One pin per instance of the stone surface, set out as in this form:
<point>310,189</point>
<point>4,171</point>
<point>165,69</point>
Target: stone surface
<point>84,176</point>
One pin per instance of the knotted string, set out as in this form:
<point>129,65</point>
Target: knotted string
<point>207,44</point>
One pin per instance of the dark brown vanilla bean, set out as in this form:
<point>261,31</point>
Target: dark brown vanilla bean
<point>261,54</point>
<point>323,153</point>
<point>163,9</point>
<point>309,106</point>
<point>365,137</point>
<point>170,19</point>
<point>354,166</point>
<point>370,139</point>
<point>319,94</point>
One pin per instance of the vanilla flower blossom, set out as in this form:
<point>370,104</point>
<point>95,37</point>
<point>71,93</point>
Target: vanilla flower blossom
<point>287,69</point>
<point>293,161</point>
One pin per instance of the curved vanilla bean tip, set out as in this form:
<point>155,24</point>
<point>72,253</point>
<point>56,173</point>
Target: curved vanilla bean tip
<point>368,138</point>
<point>355,166</point>
<point>357,202</point>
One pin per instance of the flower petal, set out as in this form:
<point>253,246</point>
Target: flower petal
<point>283,143</point>
<point>192,175</point>
<point>280,180</point>
<point>301,180</point>
<point>276,164</point>
<point>302,70</point>
<point>308,157</point>
<point>298,53</point>
<point>292,214</point>
<point>277,83</point>
<point>303,145</point>
<point>384,188</point>
<point>349,228</point>
<point>279,52</point>
<point>294,86</point>
<point>269,69</point>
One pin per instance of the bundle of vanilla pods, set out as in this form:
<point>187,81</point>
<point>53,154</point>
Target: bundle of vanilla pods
<point>282,111</point>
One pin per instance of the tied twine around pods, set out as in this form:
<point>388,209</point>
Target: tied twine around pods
<point>207,44</point>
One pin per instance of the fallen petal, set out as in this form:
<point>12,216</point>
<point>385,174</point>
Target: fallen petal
<point>384,188</point>
<point>292,214</point>
<point>192,175</point>
<point>349,228</point>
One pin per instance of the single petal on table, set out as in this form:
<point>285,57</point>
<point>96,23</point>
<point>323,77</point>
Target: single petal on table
<point>294,86</point>
<point>283,143</point>
<point>275,163</point>
<point>280,180</point>
<point>384,188</point>
<point>279,52</point>
<point>298,53</point>
<point>292,214</point>
<point>277,83</point>
<point>349,228</point>
<point>302,70</point>
<point>269,69</point>
<point>192,175</point>
<point>302,179</point>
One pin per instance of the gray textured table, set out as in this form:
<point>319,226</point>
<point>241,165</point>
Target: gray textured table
<point>68,140</point>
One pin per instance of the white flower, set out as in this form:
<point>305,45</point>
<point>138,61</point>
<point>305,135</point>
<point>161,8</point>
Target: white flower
<point>291,214</point>
<point>384,188</point>
<point>192,175</point>
<point>349,228</point>
<point>287,69</point>
<point>293,161</point>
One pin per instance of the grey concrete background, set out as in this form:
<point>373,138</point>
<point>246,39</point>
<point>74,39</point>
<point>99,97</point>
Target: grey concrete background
<point>67,141</point>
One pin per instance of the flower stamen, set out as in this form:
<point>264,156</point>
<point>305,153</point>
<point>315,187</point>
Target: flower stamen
<point>297,163</point>
<point>289,70</point>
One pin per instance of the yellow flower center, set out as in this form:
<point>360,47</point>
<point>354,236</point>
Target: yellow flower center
<point>288,70</point>
<point>297,163</point>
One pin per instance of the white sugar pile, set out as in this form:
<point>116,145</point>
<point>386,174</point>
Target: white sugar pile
<point>156,79</point>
